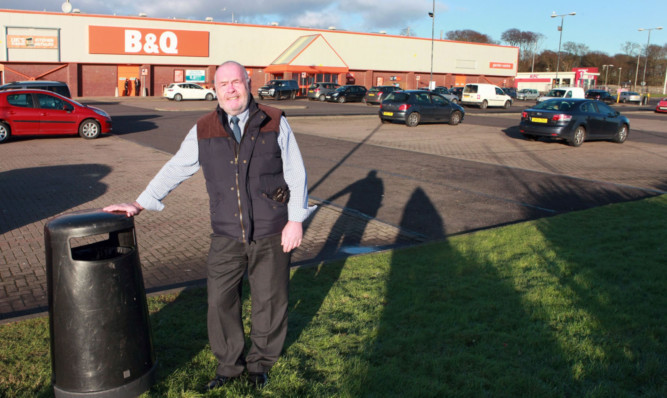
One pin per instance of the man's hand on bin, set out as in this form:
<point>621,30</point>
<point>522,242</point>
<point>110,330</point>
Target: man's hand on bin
<point>130,209</point>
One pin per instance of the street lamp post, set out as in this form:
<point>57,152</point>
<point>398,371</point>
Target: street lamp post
<point>431,84</point>
<point>606,73</point>
<point>619,78</point>
<point>647,44</point>
<point>560,28</point>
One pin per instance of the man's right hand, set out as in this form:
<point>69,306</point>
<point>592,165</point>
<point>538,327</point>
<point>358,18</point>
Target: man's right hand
<point>130,209</point>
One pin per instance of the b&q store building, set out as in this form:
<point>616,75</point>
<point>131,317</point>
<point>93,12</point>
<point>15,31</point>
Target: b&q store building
<point>103,55</point>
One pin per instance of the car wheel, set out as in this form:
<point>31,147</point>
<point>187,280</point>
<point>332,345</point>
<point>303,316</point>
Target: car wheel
<point>209,97</point>
<point>322,98</point>
<point>484,104</point>
<point>454,101</point>
<point>276,96</point>
<point>89,129</point>
<point>341,99</point>
<point>384,121</point>
<point>412,119</point>
<point>507,104</point>
<point>621,135</point>
<point>455,118</point>
<point>4,132</point>
<point>293,95</point>
<point>578,137</point>
<point>178,97</point>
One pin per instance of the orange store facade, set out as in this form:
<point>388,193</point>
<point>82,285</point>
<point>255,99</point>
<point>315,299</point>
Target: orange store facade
<point>100,55</point>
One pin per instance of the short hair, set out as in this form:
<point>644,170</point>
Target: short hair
<point>245,72</point>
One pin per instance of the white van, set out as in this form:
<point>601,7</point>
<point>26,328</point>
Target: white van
<point>483,95</point>
<point>563,92</point>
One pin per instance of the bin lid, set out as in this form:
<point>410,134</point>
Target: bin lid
<point>89,222</point>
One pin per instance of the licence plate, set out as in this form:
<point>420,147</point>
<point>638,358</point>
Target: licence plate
<point>538,120</point>
<point>371,95</point>
<point>387,113</point>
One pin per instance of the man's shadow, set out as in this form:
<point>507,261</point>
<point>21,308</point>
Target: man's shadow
<point>365,196</point>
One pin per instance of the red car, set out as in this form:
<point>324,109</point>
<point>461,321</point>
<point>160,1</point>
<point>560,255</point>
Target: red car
<point>41,112</point>
<point>662,105</point>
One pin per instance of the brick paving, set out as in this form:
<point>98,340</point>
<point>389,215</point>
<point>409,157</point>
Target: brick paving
<point>42,178</point>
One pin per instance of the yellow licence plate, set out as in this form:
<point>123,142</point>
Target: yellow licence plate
<point>388,113</point>
<point>538,120</point>
<point>371,95</point>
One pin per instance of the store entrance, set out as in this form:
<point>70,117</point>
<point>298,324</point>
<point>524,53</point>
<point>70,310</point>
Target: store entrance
<point>306,79</point>
<point>129,80</point>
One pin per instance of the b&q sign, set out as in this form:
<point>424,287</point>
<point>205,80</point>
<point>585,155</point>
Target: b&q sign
<point>141,41</point>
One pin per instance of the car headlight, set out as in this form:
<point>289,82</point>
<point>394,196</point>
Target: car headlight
<point>100,112</point>
<point>273,90</point>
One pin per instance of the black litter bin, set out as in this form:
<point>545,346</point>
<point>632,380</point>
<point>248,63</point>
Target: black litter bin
<point>101,341</point>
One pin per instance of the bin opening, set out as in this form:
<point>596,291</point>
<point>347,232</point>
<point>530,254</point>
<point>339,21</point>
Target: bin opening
<point>102,246</point>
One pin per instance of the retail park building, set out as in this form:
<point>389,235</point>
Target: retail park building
<point>97,55</point>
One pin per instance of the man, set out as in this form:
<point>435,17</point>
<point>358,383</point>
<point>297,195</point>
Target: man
<point>256,182</point>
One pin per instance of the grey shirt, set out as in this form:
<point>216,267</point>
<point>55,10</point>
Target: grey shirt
<point>185,163</point>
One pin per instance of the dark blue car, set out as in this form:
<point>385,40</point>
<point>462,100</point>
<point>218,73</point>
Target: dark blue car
<point>418,106</point>
<point>575,121</point>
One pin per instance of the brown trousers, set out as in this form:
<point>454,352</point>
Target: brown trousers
<point>267,267</point>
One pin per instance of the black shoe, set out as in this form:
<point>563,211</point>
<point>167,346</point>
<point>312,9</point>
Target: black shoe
<point>258,379</point>
<point>218,382</point>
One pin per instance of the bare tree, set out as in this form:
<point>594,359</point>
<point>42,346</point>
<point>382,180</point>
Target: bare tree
<point>469,36</point>
<point>408,32</point>
<point>527,43</point>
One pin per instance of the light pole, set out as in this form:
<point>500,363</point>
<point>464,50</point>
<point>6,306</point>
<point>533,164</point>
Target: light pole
<point>560,29</point>
<point>647,43</point>
<point>606,73</point>
<point>619,78</point>
<point>431,84</point>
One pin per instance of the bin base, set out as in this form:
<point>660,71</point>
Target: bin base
<point>132,389</point>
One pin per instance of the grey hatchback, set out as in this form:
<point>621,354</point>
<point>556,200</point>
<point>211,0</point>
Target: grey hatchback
<point>319,91</point>
<point>377,93</point>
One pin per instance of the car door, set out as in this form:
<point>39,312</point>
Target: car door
<point>56,115</point>
<point>22,115</point>
<point>594,120</point>
<point>609,121</point>
<point>442,109</point>
<point>425,106</point>
<point>498,99</point>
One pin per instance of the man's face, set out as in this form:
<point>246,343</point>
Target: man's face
<point>232,89</point>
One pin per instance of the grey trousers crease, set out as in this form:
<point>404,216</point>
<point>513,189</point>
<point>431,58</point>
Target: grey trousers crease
<point>268,275</point>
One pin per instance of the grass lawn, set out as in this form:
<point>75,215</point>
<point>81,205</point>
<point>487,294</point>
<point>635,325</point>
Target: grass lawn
<point>567,306</point>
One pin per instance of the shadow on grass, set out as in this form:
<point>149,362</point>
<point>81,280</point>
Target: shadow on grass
<point>451,325</point>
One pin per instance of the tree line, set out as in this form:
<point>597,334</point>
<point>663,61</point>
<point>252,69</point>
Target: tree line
<point>621,67</point>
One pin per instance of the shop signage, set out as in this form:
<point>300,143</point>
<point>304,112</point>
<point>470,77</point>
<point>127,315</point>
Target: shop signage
<point>501,65</point>
<point>142,41</point>
<point>195,76</point>
<point>21,41</point>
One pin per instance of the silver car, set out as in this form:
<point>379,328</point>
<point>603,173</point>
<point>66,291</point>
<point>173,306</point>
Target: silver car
<point>527,94</point>
<point>629,96</point>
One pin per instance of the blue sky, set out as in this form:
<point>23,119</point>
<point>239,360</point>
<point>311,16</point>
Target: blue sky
<point>601,25</point>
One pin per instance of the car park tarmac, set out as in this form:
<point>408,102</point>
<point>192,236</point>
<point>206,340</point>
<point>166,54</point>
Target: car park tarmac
<point>377,185</point>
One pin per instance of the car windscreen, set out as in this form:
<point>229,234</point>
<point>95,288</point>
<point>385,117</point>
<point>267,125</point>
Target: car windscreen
<point>470,88</point>
<point>557,105</point>
<point>556,93</point>
<point>398,96</point>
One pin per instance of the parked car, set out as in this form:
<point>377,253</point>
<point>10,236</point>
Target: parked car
<point>458,91</point>
<point>377,93</point>
<point>600,95</point>
<point>57,87</point>
<point>511,91</point>
<point>41,112</point>
<point>662,105</point>
<point>444,91</point>
<point>347,93</point>
<point>563,92</point>
<point>483,95</point>
<point>527,94</point>
<point>319,91</point>
<point>417,106</point>
<point>629,96</point>
<point>278,89</point>
<point>574,120</point>
<point>188,91</point>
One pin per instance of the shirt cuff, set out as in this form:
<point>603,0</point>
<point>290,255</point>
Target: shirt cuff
<point>149,203</point>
